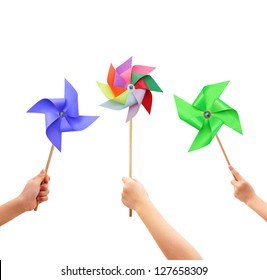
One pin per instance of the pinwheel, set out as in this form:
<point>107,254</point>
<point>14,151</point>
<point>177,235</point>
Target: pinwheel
<point>207,114</point>
<point>61,115</point>
<point>129,87</point>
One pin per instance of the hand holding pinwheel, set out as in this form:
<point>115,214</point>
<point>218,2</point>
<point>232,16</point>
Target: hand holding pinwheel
<point>129,87</point>
<point>61,115</point>
<point>207,114</point>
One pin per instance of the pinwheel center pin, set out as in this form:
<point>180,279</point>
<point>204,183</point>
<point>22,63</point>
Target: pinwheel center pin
<point>207,114</point>
<point>62,114</point>
<point>130,87</point>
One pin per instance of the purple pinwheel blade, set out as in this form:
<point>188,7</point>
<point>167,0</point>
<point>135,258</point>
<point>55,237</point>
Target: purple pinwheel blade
<point>81,122</point>
<point>124,66</point>
<point>118,80</point>
<point>65,125</point>
<point>54,134</point>
<point>71,97</point>
<point>133,110</point>
<point>60,103</point>
<point>50,118</point>
<point>43,106</point>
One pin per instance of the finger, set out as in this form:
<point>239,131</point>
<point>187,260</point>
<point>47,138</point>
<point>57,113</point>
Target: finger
<point>40,177</point>
<point>126,180</point>
<point>42,199</point>
<point>234,182</point>
<point>43,187</point>
<point>46,179</point>
<point>43,192</point>
<point>237,176</point>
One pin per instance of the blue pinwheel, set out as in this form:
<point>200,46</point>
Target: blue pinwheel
<point>62,115</point>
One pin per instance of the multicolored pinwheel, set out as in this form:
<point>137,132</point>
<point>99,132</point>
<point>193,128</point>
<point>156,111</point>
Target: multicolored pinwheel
<point>129,86</point>
<point>207,114</point>
<point>61,115</point>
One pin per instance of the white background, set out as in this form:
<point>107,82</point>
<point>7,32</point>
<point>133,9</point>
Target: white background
<point>191,44</point>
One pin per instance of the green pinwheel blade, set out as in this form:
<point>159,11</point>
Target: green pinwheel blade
<point>122,98</point>
<point>208,95</point>
<point>110,95</point>
<point>206,134</point>
<point>106,90</point>
<point>152,85</point>
<point>188,113</point>
<point>203,137</point>
<point>226,114</point>
<point>230,118</point>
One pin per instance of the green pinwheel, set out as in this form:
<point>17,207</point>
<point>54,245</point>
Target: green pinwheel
<point>207,114</point>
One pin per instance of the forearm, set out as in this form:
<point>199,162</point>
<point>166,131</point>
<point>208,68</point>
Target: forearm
<point>11,210</point>
<point>259,206</point>
<point>171,243</point>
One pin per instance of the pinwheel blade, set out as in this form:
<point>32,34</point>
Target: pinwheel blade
<point>54,134</point>
<point>208,95</point>
<point>188,113</point>
<point>230,118</point>
<point>203,137</point>
<point>149,82</point>
<point>71,97</point>
<point>81,122</point>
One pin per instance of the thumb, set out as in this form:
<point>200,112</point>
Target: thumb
<point>40,177</point>
<point>126,180</point>
<point>237,176</point>
<point>136,181</point>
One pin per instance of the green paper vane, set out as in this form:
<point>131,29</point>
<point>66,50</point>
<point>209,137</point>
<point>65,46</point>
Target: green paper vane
<point>207,114</point>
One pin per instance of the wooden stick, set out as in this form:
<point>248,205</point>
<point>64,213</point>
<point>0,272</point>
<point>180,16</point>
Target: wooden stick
<point>224,153</point>
<point>130,155</point>
<point>46,169</point>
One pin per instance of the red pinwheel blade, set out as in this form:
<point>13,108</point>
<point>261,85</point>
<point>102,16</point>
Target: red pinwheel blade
<point>141,84</point>
<point>147,101</point>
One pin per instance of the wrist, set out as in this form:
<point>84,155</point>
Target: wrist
<point>251,200</point>
<point>20,204</point>
<point>142,205</point>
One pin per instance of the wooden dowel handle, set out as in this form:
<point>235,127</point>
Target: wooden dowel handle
<point>130,155</point>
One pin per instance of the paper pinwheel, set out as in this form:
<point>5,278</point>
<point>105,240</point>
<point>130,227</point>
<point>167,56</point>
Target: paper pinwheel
<point>207,114</point>
<point>129,86</point>
<point>61,115</point>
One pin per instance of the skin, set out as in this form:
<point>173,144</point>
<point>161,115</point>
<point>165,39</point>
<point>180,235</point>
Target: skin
<point>35,190</point>
<point>170,242</point>
<point>245,193</point>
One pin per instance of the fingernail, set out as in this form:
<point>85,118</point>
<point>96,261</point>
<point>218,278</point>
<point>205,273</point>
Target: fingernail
<point>126,179</point>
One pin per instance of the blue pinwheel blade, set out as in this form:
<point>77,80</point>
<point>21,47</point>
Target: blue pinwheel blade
<point>80,123</point>
<point>71,97</point>
<point>43,106</point>
<point>54,134</point>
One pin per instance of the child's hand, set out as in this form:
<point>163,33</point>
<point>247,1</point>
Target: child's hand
<point>242,189</point>
<point>36,189</point>
<point>134,193</point>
